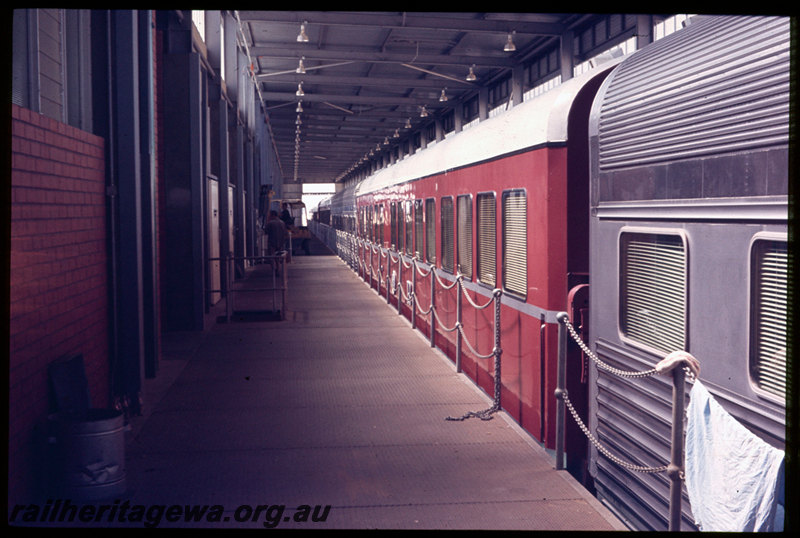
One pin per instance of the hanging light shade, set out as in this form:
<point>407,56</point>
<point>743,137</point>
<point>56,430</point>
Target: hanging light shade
<point>471,75</point>
<point>408,123</point>
<point>300,91</point>
<point>510,47</point>
<point>299,107</point>
<point>443,97</point>
<point>300,67</point>
<point>424,112</point>
<point>302,37</point>
<point>396,133</point>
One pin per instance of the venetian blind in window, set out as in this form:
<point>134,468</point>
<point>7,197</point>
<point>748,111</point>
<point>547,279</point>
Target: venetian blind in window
<point>464,220</point>
<point>515,247</point>
<point>653,290</point>
<point>768,323</point>
<point>370,224</point>
<point>430,230</point>
<point>409,216</point>
<point>487,246</point>
<point>380,220</point>
<point>393,223</point>
<point>448,255</point>
<point>419,228</point>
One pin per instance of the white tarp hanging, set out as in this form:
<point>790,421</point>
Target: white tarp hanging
<point>732,476</point>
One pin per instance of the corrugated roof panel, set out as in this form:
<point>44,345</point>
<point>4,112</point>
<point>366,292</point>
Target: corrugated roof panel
<point>719,86</point>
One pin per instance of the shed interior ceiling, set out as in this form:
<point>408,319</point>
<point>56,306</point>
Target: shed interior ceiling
<point>368,75</point>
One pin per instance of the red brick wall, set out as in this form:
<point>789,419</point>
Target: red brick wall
<point>58,275</point>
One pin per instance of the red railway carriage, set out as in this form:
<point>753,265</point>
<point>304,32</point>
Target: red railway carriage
<point>504,204</point>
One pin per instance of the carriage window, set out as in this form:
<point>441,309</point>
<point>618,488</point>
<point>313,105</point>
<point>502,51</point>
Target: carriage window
<point>379,224</point>
<point>430,230</point>
<point>400,235</point>
<point>447,234</point>
<point>409,216</point>
<point>419,228</point>
<point>393,224</point>
<point>653,290</point>
<point>464,216</point>
<point>487,246</point>
<point>768,320</point>
<point>515,248</point>
<point>370,225</point>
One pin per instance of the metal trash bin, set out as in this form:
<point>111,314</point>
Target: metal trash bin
<point>90,455</point>
<point>87,445</point>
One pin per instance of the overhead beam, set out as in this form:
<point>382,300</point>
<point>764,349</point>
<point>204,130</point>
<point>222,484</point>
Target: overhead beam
<point>352,99</point>
<point>295,51</point>
<point>425,21</point>
<point>357,81</point>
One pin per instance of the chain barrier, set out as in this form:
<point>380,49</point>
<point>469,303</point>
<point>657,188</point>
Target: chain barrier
<point>486,414</point>
<point>411,301</point>
<point>598,361</point>
<point>622,373</point>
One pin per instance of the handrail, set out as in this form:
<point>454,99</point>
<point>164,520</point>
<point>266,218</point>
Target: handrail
<point>228,289</point>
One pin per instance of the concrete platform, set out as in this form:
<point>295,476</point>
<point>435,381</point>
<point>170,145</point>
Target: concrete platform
<point>341,405</point>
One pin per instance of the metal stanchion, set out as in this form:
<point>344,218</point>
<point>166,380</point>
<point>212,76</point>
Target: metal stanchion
<point>675,468</point>
<point>561,390</point>
<point>433,303</point>
<point>459,291</point>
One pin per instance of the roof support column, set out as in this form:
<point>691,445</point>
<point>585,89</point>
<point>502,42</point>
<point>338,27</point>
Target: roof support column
<point>458,117</point>
<point>567,55</point>
<point>644,31</point>
<point>483,103</point>
<point>517,84</point>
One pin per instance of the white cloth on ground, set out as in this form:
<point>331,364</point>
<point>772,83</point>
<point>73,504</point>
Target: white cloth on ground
<point>732,476</point>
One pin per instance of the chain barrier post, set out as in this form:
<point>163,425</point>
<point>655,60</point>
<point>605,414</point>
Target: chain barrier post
<point>675,468</point>
<point>433,304</point>
<point>498,350</point>
<point>398,289</point>
<point>414,292</point>
<point>459,291</point>
<point>561,389</point>
<point>388,273</point>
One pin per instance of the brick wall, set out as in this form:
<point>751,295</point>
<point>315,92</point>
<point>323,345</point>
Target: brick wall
<point>58,276</point>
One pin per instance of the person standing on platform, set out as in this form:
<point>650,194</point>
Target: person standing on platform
<point>276,234</point>
<point>286,216</point>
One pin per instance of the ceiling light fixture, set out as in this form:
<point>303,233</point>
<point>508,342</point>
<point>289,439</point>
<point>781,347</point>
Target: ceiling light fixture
<point>471,75</point>
<point>510,47</point>
<point>300,67</point>
<point>424,112</point>
<point>299,106</point>
<point>300,91</point>
<point>302,37</point>
<point>408,123</point>
<point>396,133</point>
<point>443,97</point>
